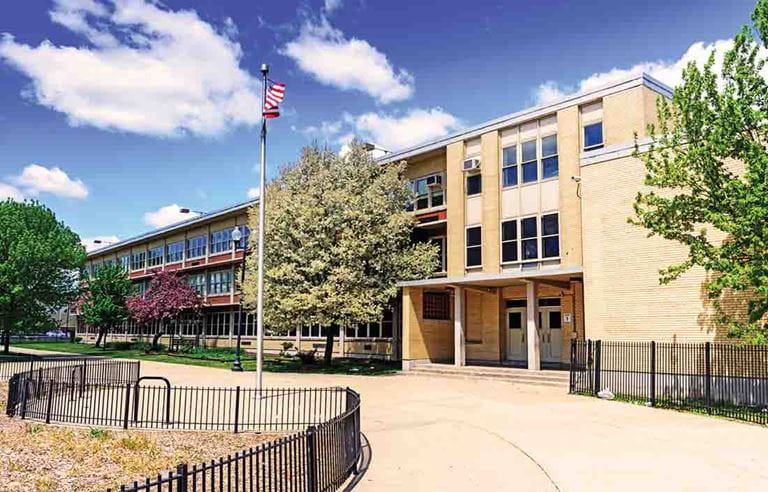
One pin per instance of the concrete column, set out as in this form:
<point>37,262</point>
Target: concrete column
<point>459,338</point>
<point>342,340</point>
<point>532,331</point>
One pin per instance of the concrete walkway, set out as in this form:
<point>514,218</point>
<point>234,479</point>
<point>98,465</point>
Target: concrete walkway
<point>429,433</point>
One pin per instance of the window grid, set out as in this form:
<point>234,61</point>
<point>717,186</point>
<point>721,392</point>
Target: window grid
<point>436,305</point>
<point>530,161</point>
<point>198,282</point>
<point>593,136</point>
<point>427,196</point>
<point>509,168</point>
<point>509,241</point>
<point>196,247</point>
<point>221,241</point>
<point>137,260</point>
<point>550,236</point>
<point>155,256</point>
<point>125,262</point>
<point>220,282</point>
<point>549,160</point>
<point>530,240</point>
<point>474,184</point>
<point>175,252</point>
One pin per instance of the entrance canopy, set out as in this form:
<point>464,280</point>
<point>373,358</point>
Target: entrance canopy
<point>497,279</point>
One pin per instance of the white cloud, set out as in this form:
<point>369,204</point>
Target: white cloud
<point>36,179</point>
<point>667,71</point>
<point>253,193</point>
<point>324,131</point>
<point>147,70</point>
<point>331,5</point>
<point>8,191</point>
<point>347,64</point>
<point>167,215</point>
<point>97,242</point>
<point>397,132</point>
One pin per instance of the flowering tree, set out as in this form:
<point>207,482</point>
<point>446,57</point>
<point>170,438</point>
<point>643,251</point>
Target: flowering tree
<point>167,297</point>
<point>102,303</point>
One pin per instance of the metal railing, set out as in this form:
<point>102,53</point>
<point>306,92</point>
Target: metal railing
<point>320,454</point>
<point>712,378</point>
<point>103,368</point>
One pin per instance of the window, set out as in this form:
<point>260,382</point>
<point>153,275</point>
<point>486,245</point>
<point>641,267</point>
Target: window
<point>174,252</point>
<point>221,241</point>
<point>218,324</point>
<point>436,305</point>
<point>474,246</point>
<point>196,247</point>
<point>429,192</point>
<point>509,166</point>
<point>529,238</point>
<point>198,282</point>
<point>549,162</point>
<point>155,256</point>
<point>137,260</point>
<point>509,241</point>
<point>530,163</point>
<point>125,262</point>
<point>246,233</point>
<point>141,287</point>
<point>440,241</point>
<point>593,136</point>
<point>550,236</point>
<point>220,282</point>
<point>474,184</point>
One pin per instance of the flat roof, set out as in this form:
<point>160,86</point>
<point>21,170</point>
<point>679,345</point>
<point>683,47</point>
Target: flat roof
<point>494,279</point>
<point>535,112</point>
<point>172,228</point>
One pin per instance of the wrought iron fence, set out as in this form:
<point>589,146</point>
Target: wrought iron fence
<point>97,369</point>
<point>320,458</point>
<point>320,454</point>
<point>718,379</point>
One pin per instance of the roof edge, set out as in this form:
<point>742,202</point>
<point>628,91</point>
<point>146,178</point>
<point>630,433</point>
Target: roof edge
<point>642,79</point>
<point>171,228</point>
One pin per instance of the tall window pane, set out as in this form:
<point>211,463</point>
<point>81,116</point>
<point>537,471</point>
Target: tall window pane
<point>530,162</point>
<point>509,241</point>
<point>474,184</point>
<point>509,166</point>
<point>474,246</point>
<point>550,236</point>
<point>529,238</point>
<point>593,136</point>
<point>549,161</point>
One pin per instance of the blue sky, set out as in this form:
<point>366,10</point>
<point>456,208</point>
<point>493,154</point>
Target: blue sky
<point>116,112</point>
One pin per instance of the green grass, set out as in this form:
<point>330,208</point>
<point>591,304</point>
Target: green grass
<point>221,358</point>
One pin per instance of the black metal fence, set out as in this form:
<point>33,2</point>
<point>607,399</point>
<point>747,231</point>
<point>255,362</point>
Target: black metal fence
<point>320,454</point>
<point>718,379</point>
<point>96,369</point>
<point>320,458</point>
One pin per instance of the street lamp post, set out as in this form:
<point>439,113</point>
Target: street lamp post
<point>236,236</point>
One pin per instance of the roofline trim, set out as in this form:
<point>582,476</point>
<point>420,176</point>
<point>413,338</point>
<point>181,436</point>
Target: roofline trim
<point>628,82</point>
<point>489,277</point>
<point>171,228</point>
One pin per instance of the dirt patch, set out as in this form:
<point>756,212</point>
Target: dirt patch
<point>51,458</point>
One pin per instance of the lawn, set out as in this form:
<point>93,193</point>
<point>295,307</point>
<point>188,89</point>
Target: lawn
<point>47,458</point>
<point>220,358</point>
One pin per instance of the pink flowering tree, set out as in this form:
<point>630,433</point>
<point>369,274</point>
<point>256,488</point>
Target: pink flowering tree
<point>167,297</point>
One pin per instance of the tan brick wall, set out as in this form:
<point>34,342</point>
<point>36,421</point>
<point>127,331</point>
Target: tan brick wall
<point>424,338</point>
<point>623,297</point>
<point>568,147</point>
<point>490,170</point>
<point>483,325</point>
<point>455,202</point>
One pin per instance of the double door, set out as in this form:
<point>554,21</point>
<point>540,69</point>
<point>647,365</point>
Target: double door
<point>550,333</point>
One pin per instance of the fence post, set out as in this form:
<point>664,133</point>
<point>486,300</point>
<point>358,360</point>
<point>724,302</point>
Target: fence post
<point>127,405</point>
<point>49,404</point>
<point>708,381</point>
<point>598,356</point>
<point>311,460</point>
<point>572,376</point>
<point>590,365</point>
<point>25,397</point>
<point>181,480</point>
<point>653,373</point>
<point>237,407</point>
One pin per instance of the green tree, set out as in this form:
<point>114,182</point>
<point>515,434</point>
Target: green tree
<point>105,295</point>
<point>40,259</point>
<point>337,239</point>
<point>708,172</point>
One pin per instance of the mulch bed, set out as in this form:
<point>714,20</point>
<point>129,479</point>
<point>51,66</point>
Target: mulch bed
<point>45,458</point>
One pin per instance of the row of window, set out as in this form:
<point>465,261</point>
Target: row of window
<point>196,247</point>
<point>211,283</point>
<point>527,162</point>
<point>524,239</point>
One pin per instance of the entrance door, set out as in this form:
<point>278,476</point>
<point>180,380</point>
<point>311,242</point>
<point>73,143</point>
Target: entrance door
<point>551,333</point>
<point>517,347</point>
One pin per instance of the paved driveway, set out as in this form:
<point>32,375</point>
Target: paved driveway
<point>429,433</point>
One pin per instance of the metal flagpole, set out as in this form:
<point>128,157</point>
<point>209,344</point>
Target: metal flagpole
<point>262,206</point>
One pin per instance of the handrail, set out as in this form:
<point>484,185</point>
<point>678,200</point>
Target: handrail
<point>167,397</point>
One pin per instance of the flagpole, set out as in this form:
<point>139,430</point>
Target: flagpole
<point>262,206</point>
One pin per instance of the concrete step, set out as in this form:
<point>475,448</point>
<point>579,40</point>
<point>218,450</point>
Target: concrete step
<point>522,376</point>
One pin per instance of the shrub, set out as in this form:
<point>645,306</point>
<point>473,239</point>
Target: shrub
<point>98,433</point>
<point>308,357</point>
<point>287,346</point>
<point>119,345</point>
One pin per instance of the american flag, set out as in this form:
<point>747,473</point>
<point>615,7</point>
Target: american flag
<point>275,95</point>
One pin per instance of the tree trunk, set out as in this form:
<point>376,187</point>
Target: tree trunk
<point>99,337</point>
<point>328,344</point>
<point>6,342</point>
<point>156,338</point>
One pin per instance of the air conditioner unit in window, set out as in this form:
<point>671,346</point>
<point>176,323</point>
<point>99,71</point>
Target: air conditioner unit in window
<point>436,180</point>
<point>471,164</point>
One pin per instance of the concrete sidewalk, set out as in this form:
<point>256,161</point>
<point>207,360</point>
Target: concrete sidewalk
<point>429,433</point>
